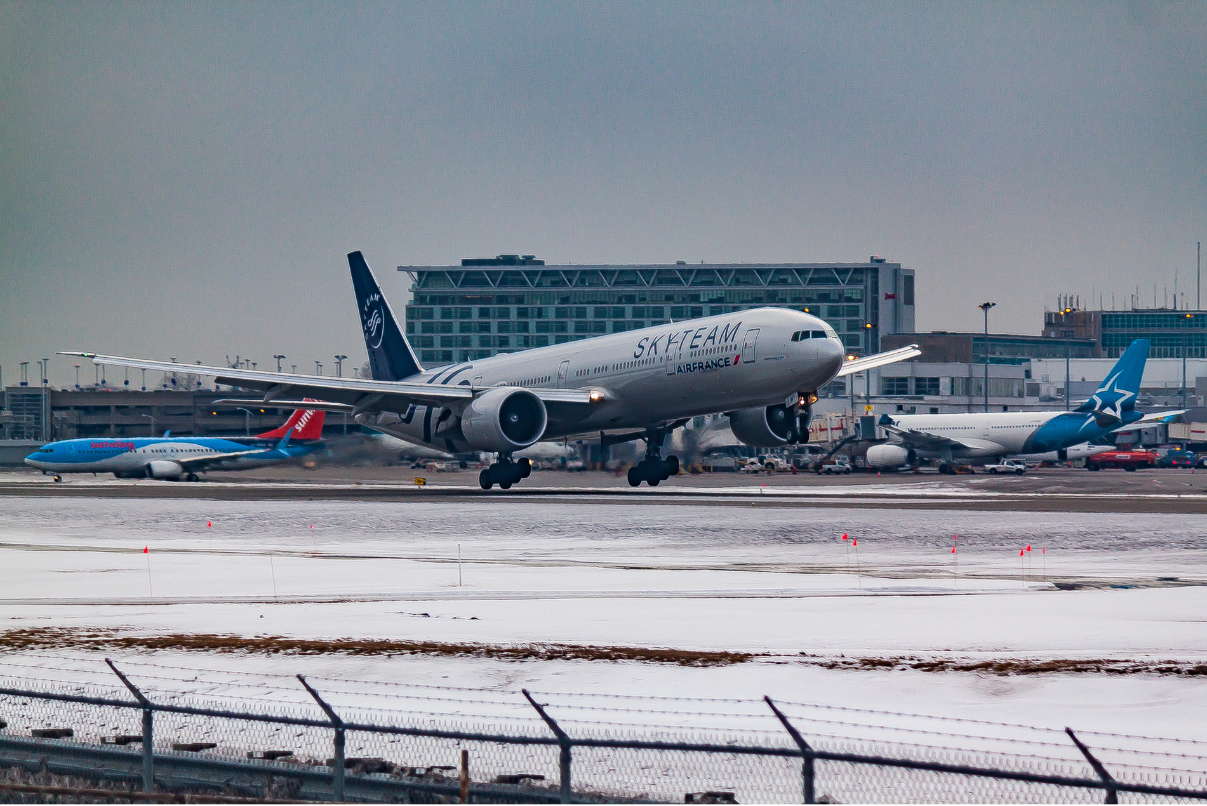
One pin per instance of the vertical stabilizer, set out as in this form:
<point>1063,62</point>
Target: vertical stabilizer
<point>304,423</point>
<point>1118,392</point>
<point>390,356</point>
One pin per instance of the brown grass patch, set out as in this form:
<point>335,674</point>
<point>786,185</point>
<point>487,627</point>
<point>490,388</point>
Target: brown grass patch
<point>63,638</point>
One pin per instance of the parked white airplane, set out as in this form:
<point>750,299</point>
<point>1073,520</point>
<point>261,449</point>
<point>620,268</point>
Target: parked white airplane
<point>762,367</point>
<point>977,437</point>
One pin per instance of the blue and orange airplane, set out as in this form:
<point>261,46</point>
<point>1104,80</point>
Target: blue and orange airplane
<point>174,458</point>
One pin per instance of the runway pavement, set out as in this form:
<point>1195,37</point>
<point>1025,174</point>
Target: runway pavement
<point>1044,490</point>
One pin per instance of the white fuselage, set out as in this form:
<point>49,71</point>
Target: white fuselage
<point>646,377</point>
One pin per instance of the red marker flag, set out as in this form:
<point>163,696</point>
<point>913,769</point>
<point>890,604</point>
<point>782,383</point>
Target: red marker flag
<point>208,524</point>
<point>844,537</point>
<point>854,541</point>
<point>953,549</point>
<point>1021,552</point>
<point>146,550</point>
<point>1028,547</point>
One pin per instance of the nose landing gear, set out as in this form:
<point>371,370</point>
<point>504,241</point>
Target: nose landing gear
<point>505,473</point>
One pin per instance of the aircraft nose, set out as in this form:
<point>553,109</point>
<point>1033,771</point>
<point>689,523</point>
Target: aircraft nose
<point>830,356</point>
<point>32,460</point>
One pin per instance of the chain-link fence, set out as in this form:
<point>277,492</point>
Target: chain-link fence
<point>157,729</point>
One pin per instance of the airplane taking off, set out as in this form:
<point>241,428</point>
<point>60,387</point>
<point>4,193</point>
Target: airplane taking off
<point>169,457</point>
<point>762,367</point>
<point>980,436</point>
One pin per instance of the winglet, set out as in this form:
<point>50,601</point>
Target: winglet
<point>284,440</point>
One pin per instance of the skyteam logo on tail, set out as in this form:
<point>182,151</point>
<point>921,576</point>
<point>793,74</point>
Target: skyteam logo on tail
<point>373,320</point>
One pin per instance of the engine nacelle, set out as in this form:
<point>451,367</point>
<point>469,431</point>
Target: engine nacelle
<point>504,419</point>
<point>163,469</point>
<point>770,426</point>
<point>889,456</point>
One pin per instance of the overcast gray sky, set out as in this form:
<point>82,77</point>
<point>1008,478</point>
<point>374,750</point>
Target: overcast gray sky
<point>185,178</point>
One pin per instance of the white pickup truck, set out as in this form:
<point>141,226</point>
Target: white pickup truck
<point>1007,466</point>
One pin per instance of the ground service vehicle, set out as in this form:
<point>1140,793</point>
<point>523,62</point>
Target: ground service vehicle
<point>837,466</point>
<point>1128,460</point>
<point>1175,457</point>
<point>1007,466</point>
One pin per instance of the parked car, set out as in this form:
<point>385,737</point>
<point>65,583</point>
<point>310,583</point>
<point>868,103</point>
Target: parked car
<point>839,465</point>
<point>1007,466</point>
<point>1175,457</point>
<point>1128,460</point>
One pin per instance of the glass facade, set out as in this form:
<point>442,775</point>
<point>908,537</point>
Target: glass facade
<point>463,313</point>
<point>1171,332</point>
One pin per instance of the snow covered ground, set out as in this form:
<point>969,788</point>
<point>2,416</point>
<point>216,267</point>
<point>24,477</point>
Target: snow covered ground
<point>776,582</point>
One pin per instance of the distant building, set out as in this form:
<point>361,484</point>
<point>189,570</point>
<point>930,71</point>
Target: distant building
<point>496,305</point>
<point>1170,331</point>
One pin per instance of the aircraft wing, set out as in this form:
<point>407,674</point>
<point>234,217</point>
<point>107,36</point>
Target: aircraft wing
<point>922,439</point>
<point>194,463</point>
<point>360,394</point>
<point>854,365</point>
<point>1151,420</point>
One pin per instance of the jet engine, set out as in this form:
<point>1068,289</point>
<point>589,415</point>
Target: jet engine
<point>888,456</point>
<point>503,420</point>
<point>770,426</point>
<point>162,469</point>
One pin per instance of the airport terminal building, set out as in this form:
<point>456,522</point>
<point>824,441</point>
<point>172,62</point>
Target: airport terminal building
<point>515,302</point>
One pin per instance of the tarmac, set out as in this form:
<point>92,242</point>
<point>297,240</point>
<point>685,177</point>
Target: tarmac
<point>1040,490</point>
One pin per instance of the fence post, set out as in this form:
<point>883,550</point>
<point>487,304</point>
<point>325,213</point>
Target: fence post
<point>563,741</point>
<point>1112,794</point>
<point>806,752</point>
<point>148,730</point>
<point>337,775</point>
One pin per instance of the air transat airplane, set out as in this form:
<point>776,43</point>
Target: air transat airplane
<point>762,367</point>
<point>977,437</point>
<point>169,457</point>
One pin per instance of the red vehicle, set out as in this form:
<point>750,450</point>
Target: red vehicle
<point>1128,460</point>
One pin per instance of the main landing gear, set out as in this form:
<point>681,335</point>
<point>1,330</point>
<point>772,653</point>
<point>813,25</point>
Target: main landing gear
<point>505,473</point>
<point>653,469</point>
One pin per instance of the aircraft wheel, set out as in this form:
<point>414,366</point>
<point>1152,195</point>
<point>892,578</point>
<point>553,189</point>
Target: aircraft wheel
<point>192,477</point>
<point>525,468</point>
<point>672,465</point>
<point>58,477</point>
<point>634,477</point>
<point>654,482</point>
<point>485,479</point>
<point>504,485</point>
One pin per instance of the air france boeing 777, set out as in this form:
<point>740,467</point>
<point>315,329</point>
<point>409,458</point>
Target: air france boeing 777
<point>762,367</point>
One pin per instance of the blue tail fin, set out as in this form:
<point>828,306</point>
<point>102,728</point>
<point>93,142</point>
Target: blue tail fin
<point>284,440</point>
<point>1117,394</point>
<point>390,356</point>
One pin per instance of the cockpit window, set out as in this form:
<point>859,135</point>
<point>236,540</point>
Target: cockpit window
<point>819,334</point>
<point>45,450</point>
<point>830,332</point>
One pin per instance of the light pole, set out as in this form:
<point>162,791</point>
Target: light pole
<point>339,365</point>
<point>246,421</point>
<point>77,377</point>
<point>294,368</point>
<point>24,373</point>
<point>144,380</point>
<point>1185,349</point>
<point>152,419</point>
<point>985,306</point>
<point>318,368</point>
<point>279,357</point>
